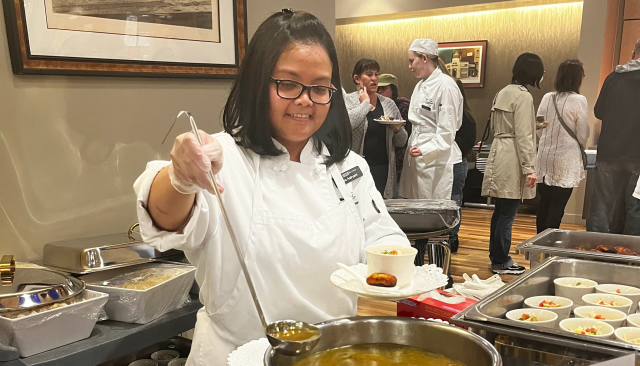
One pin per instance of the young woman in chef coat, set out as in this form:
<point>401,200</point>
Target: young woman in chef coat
<point>435,113</point>
<point>298,200</point>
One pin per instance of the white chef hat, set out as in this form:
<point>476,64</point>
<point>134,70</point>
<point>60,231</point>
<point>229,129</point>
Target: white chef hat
<point>425,46</point>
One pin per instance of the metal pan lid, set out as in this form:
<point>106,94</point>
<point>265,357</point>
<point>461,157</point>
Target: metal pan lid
<point>25,288</point>
<point>420,206</point>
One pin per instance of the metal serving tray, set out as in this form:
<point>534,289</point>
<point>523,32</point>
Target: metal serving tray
<point>423,215</point>
<point>555,242</point>
<point>538,282</point>
<point>100,253</point>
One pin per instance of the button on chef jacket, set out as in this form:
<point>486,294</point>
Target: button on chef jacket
<point>293,223</point>
<point>435,114</point>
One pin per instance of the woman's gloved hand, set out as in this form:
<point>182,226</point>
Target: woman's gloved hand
<point>190,163</point>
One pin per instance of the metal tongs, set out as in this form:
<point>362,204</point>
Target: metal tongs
<point>286,347</point>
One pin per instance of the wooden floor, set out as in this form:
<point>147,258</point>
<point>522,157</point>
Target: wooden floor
<point>473,254</point>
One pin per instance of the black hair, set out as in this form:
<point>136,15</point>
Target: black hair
<point>364,64</point>
<point>394,91</point>
<point>569,77</point>
<point>466,110</point>
<point>246,113</point>
<point>528,70</point>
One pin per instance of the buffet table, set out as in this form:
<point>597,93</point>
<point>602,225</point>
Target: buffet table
<point>111,339</point>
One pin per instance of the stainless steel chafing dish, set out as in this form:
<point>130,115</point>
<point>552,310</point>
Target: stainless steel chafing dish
<point>555,242</point>
<point>487,317</point>
<point>87,255</point>
<point>423,215</point>
<point>27,288</point>
<point>434,337</point>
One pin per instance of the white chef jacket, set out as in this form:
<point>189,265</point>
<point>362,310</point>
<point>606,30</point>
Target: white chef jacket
<point>302,189</point>
<point>636,193</point>
<point>435,113</point>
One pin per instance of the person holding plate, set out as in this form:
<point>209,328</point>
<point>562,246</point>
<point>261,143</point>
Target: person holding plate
<point>373,138</point>
<point>297,199</point>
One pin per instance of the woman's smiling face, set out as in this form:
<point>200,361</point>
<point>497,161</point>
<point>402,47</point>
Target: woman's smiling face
<point>296,120</point>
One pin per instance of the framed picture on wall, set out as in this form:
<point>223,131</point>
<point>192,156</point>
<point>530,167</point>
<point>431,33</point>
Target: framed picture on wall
<point>155,38</point>
<point>465,61</point>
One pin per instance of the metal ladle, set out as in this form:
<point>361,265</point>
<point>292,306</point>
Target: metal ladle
<point>289,348</point>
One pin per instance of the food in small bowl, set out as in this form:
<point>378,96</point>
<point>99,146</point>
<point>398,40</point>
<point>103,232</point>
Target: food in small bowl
<point>573,288</point>
<point>632,293</point>
<point>559,305</point>
<point>541,317</point>
<point>628,335</point>
<point>381,259</point>
<point>608,315</point>
<point>633,320</point>
<point>587,327</point>
<point>614,301</point>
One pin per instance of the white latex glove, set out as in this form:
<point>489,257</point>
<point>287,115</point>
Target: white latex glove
<point>190,162</point>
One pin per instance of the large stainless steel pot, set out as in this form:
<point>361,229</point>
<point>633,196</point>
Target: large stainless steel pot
<point>453,342</point>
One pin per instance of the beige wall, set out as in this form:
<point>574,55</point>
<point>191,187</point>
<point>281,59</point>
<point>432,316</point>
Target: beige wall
<point>71,147</point>
<point>359,8</point>
<point>590,52</point>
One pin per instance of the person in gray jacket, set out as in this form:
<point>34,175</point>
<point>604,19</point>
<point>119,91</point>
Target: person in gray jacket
<point>372,140</point>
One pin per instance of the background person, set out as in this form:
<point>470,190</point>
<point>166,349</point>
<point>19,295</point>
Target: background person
<point>618,163</point>
<point>435,114</point>
<point>465,139</point>
<point>285,145</point>
<point>510,176</point>
<point>374,141</point>
<point>559,164</point>
<point>388,87</point>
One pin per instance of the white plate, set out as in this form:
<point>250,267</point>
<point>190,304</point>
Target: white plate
<point>249,354</point>
<point>391,122</point>
<point>426,278</point>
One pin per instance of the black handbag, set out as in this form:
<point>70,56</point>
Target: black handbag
<point>570,132</point>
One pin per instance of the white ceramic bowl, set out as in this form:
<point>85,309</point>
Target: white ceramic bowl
<point>612,316</point>
<point>633,320</point>
<point>563,311</point>
<point>547,318</point>
<point>566,287</point>
<point>626,334</point>
<point>401,265</point>
<point>569,325</point>
<point>623,303</point>
<point>632,293</point>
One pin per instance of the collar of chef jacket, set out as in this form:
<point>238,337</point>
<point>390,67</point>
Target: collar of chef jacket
<point>307,156</point>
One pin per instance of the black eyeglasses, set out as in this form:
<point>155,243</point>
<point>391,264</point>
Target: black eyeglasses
<point>291,89</point>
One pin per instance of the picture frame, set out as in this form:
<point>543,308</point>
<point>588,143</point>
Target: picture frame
<point>141,38</point>
<point>465,61</point>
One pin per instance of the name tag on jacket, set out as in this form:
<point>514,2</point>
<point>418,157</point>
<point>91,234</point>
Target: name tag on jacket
<point>352,174</point>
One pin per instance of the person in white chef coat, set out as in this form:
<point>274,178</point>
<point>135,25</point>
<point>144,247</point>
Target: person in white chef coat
<point>298,200</point>
<point>435,114</point>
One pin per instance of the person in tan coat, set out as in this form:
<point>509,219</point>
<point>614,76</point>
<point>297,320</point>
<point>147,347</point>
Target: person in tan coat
<point>510,176</point>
